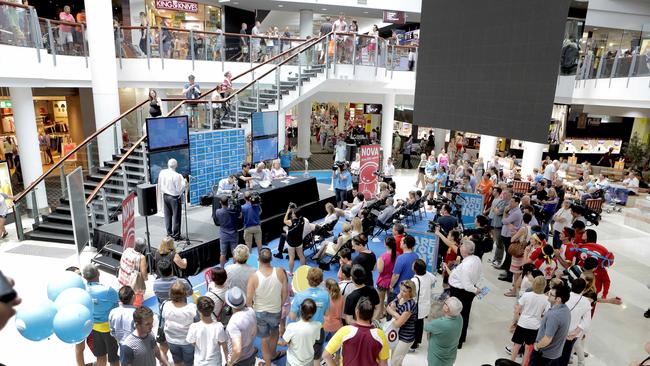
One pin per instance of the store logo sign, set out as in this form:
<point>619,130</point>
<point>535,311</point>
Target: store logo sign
<point>5,104</point>
<point>177,5</point>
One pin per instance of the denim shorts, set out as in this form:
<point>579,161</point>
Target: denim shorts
<point>266,322</point>
<point>182,353</point>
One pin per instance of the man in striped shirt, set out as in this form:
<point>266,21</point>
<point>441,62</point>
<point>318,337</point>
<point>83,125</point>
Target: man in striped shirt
<point>361,344</point>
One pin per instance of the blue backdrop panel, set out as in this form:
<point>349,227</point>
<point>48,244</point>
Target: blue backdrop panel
<point>214,155</point>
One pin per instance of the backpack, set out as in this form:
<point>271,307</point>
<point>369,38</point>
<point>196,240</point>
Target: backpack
<point>225,313</point>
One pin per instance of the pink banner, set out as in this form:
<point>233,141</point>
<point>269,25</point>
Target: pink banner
<point>369,165</point>
<point>128,221</point>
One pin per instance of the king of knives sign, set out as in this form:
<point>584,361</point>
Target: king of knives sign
<point>369,165</point>
<point>128,221</point>
<point>178,5</point>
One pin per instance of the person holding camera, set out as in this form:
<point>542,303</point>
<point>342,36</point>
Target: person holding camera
<point>342,181</point>
<point>252,213</point>
<point>192,90</point>
<point>228,219</point>
<point>297,228</point>
<point>447,223</point>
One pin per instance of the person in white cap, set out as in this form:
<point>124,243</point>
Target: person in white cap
<point>242,329</point>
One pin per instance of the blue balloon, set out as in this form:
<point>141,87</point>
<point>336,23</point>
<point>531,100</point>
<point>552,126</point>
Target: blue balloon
<point>73,323</point>
<point>74,295</point>
<point>63,281</point>
<point>34,320</point>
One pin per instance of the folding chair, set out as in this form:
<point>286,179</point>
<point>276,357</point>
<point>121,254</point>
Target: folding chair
<point>520,187</point>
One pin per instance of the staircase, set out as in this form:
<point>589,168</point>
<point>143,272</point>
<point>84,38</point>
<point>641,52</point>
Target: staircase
<point>268,96</point>
<point>57,226</point>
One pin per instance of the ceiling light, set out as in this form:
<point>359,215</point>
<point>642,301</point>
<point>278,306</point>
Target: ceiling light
<point>365,12</point>
<point>323,9</point>
<point>280,6</point>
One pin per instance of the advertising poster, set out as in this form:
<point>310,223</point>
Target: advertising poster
<point>369,165</point>
<point>426,247</point>
<point>68,147</point>
<point>472,206</point>
<point>128,221</point>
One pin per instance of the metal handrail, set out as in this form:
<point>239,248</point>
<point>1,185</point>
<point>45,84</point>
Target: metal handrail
<point>56,165</point>
<point>2,2</point>
<point>216,33</point>
<point>126,155</point>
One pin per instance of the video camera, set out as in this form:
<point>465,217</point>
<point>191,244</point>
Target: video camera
<point>339,165</point>
<point>254,198</point>
<point>233,202</point>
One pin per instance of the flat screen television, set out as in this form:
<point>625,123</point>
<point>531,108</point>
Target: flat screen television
<point>265,124</point>
<point>167,132</point>
<point>158,161</point>
<point>372,108</point>
<point>265,149</point>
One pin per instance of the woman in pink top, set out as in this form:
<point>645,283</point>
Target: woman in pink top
<point>385,265</point>
<point>333,317</point>
<point>443,159</point>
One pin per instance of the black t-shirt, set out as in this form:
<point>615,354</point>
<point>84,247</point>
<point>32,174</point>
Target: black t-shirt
<point>367,261</point>
<point>541,195</point>
<point>242,183</point>
<point>447,223</point>
<point>356,295</point>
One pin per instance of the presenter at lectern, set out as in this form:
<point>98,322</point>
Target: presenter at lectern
<point>172,187</point>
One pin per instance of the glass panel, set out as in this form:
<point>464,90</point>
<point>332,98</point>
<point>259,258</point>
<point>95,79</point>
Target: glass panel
<point>367,47</point>
<point>237,47</point>
<point>16,27</point>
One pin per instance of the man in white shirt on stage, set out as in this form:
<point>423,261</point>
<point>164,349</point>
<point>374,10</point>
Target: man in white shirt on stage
<point>172,187</point>
<point>227,185</point>
<point>463,283</point>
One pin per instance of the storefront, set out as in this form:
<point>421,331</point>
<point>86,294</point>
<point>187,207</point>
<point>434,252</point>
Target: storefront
<point>184,14</point>
<point>53,123</point>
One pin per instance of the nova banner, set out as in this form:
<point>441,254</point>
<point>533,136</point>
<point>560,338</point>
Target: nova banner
<point>128,221</point>
<point>369,165</point>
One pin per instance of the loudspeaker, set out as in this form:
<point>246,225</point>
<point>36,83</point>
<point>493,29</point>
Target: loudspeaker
<point>147,202</point>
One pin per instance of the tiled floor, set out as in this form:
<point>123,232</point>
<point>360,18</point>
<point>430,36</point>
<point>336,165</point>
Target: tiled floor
<point>617,334</point>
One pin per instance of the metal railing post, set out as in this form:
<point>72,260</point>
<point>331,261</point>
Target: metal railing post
<point>89,157</point>
<point>277,88</point>
<point>115,141</point>
<point>118,45</point>
<point>354,54</point>
<point>250,52</point>
<point>83,42</point>
<point>238,124</point>
<point>104,205</point>
<point>192,47</point>
<point>376,54</point>
<point>32,195</point>
<point>50,38</point>
<point>125,181</point>
<point>64,190</point>
<point>257,95</point>
<point>93,221</point>
<point>35,34</point>
<point>630,73</point>
<point>19,222</point>
<point>161,52</point>
<point>148,50</point>
<point>333,55</point>
<point>327,56</point>
<point>415,61</point>
<point>385,58</point>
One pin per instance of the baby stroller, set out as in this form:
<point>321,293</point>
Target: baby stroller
<point>615,199</point>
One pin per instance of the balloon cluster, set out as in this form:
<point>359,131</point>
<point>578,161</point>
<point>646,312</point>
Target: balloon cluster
<point>67,312</point>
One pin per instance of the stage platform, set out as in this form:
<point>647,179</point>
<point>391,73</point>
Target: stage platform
<point>205,251</point>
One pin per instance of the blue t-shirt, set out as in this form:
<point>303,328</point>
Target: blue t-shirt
<point>404,268</point>
<point>285,159</point>
<point>228,224</point>
<point>251,214</point>
<point>472,183</point>
<point>319,295</point>
<point>104,299</point>
<point>342,180</point>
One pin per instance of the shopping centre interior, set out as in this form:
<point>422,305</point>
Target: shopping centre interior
<point>377,122</point>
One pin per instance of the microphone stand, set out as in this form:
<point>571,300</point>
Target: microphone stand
<point>188,241</point>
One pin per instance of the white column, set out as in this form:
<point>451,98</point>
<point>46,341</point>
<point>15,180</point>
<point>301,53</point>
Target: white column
<point>488,149</point>
<point>439,135</point>
<point>532,158</point>
<point>99,17</point>
<point>306,23</point>
<point>387,119</point>
<point>27,140</point>
<point>304,130</point>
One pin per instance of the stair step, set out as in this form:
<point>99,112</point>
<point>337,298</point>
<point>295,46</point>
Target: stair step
<point>50,236</point>
<point>113,249</point>
<point>93,185</point>
<point>54,227</point>
<point>58,218</point>
<point>106,263</point>
<point>126,164</point>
